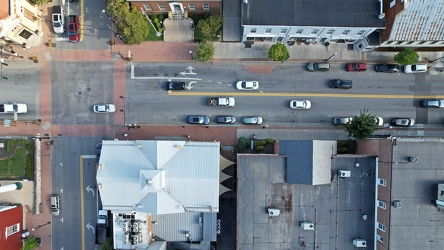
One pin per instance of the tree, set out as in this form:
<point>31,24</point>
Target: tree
<point>108,244</point>
<point>131,24</point>
<point>205,52</point>
<point>278,52</point>
<point>30,243</point>
<point>39,2</point>
<point>407,56</point>
<point>210,27</point>
<point>362,126</point>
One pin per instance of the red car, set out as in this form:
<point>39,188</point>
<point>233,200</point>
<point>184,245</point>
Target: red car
<point>356,66</point>
<point>73,28</point>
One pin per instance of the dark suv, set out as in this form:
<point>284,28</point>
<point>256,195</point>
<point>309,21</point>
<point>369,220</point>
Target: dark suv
<point>341,84</point>
<point>175,85</point>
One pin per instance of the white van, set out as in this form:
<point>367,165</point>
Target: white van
<point>55,205</point>
<point>415,68</point>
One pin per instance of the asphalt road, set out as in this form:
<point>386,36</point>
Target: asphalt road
<point>385,95</point>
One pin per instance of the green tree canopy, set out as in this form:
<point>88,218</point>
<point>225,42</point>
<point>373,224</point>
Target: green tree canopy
<point>210,27</point>
<point>362,126</point>
<point>278,52</point>
<point>205,52</point>
<point>30,243</point>
<point>131,24</point>
<point>407,56</point>
<point>108,244</point>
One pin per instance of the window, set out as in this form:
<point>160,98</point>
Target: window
<point>314,32</point>
<point>161,6</point>
<point>12,229</point>
<point>382,204</point>
<point>330,32</point>
<point>433,42</point>
<point>382,182</point>
<point>299,31</point>
<point>345,32</point>
<point>360,33</point>
<point>381,227</point>
<point>268,31</point>
<point>192,6</point>
<point>399,42</point>
<point>379,238</point>
<point>206,6</point>
<point>410,42</point>
<point>283,31</point>
<point>422,42</point>
<point>253,30</point>
<point>389,42</point>
<point>147,6</point>
<point>25,34</point>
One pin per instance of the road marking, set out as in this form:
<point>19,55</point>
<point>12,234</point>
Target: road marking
<point>162,77</point>
<point>82,210</point>
<point>82,19</point>
<point>89,156</point>
<point>189,93</point>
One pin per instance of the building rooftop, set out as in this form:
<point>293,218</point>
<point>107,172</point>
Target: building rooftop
<point>418,224</point>
<point>341,212</point>
<point>319,13</point>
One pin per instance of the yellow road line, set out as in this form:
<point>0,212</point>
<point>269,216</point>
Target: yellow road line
<point>82,26</point>
<point>189,93</point>
<point>82,210</point>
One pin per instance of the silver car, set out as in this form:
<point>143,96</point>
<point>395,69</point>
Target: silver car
<point>226,119</point>
<point>342,120</point>
<point>318,66</point>
<point>252,120</point>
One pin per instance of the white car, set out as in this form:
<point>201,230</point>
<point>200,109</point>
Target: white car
<point>247,85</point>
<point>415,68</point>
<point>104,108</point>
<point>300,104</point>
<point>379,121</point>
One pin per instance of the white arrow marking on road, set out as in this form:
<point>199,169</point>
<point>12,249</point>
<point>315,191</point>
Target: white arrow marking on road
<point>61,219</point>
<point>61,164</point>
<point>187,73</point>
<point>61,190</point>
<point>88,226</point>
<point>190,68</point>
<point>90,189</point>
<point>189,85</point>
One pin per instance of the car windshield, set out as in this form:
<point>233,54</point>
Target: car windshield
<point>413,67</point>
<point>244,84</point>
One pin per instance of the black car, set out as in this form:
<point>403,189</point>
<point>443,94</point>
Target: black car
<point>341,84</point>
<point>387,68</point>
<point>175,85</point>
<point>432,103</point>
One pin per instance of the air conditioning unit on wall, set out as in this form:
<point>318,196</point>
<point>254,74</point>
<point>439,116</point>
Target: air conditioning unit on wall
<point>359,243</point>
<point>344,173</point>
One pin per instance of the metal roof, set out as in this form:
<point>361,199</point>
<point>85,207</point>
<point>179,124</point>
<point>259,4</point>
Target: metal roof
<point>325,13</point>
<point>420,21</point>
<point>159,177</point>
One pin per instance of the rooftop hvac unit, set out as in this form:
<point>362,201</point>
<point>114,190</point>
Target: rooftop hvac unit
<point>397,204</point>
<point>344,173</point>
<point>125,238</point>
<point>273,212</point>
<point>135,238</point>
<point>359,243</point>
<point>307,225</point>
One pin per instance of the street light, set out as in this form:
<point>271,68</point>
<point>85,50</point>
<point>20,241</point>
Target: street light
<point>192,56</point>
<point>1,64</point>
<point>104,12</point>
<point>436,59</point>
<point>39,226</point>
<point>331,57</point>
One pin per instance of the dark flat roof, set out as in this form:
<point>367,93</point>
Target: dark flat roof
<point>329,13</point>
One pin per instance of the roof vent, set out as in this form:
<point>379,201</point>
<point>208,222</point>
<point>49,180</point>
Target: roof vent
<point>359,243</point>
<point>273,212</point>
<point>100,186</point>
<point>179,146</point>
<point>100,166</point>
<point>139,146</point>
<point>344,173</point>
<point>397,204</point>
<point>307,225</point>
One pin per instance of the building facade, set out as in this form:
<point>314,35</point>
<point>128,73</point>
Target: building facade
<point>21,23</point>
<point>178,7</point>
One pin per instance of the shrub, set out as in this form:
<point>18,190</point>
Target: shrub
<point>270,140</point>
<point>241,143</point>
<point>262,143</point>
<point>259,148</point>
<point>407,56</point>
<point>278,52</point>
<point>205,52</point>
<point>10,145</point>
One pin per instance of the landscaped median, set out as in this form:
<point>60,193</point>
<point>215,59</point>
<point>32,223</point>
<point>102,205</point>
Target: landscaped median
<point>17,159</point>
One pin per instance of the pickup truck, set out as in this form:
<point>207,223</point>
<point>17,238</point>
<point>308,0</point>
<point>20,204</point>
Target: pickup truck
<point>73,28</point>
<point>58,21</point>
<point>13,108</point>
<point>102,224</point>
<point>221,101</point>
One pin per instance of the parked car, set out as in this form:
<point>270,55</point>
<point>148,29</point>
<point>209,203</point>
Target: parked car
<point>247,85</point>
<point>104,108</point>
<point>55,205</point>
<point>226,119</point>
<point>73,28</point>
<point>415,68</point>
<point>357,66</point>
<point>300,104</point>
<point>175,85</point>
<point>387,68</point>
<point>379,121</point>
<point>252,120</point>
<point>341,84</point>
<point>342,120</point>
<point>403,122</point>
<point>318,66</point>
<point>198,119</point>
<point>434,103</point>
<point>58,19</point>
